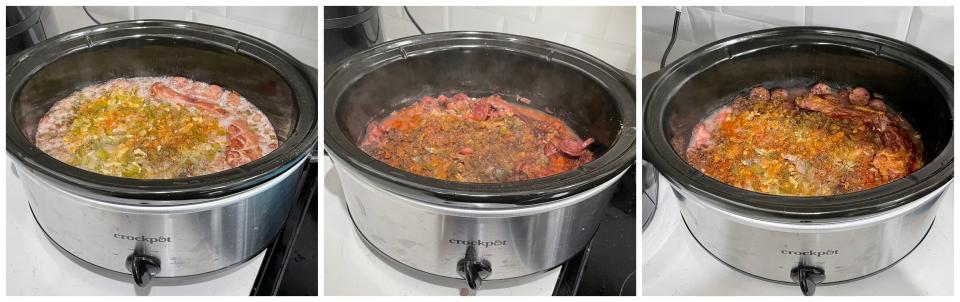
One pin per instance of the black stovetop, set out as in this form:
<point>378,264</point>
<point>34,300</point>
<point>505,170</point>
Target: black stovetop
<point>608,266</point>
<point>290,265</point>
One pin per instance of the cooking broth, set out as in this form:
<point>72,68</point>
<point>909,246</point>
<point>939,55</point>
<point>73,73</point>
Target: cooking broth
<point>155,128</point>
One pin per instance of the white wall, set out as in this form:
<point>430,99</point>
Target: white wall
<point>930,28</point>
<point>608,33</point>
<point>294,29</point>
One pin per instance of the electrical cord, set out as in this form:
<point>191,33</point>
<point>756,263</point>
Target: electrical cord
<point>673,38</point>
<point>412,20</point>
<point>42,30</point>
<point>376,36</point>
<point>89,15</point>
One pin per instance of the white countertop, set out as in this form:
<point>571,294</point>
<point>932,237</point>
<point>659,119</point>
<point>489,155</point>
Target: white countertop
<point>36,267</point>
<point>350,268</point>
<point>675,264</point>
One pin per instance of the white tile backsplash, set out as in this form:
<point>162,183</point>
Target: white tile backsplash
<point>891,21</point>
<point>397,27</point>
<point>294,29</point>
<point>613,53</point>
<point>654,44</point>
<point>311,24</point>
<point>430,18</point>
<point>589,20</point>
<point>216,20</point>
<point>709,26</point>
<point>282,18</point>
<point>525,13</point>
<point>471,18</point>
<point>63,19</point>
<point>301,48</point>
<point>216,10</point>
<point>659,19</point>
<point>930,28</point>
<point>162,12</point>
<point>530,29</point>
<point>777,15</point>
<point>608,33</point>
<point>111,13</point>
<point>622,27</point>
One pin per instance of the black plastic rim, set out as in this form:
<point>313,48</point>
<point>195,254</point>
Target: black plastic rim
<point>656,148</point>
<point>620,155</point>
<point>166,191</point>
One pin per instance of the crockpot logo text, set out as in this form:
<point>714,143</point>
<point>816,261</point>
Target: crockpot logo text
<point>146,239</point>
<point>811,253</point>
<point>479,242</point>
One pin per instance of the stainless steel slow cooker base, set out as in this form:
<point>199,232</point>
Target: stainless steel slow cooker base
<point>440,279</point>
<point>795,283</point>
<point>155,242</point>
<point>809,253</point>
<point>125,275</point>
<point>516,241</point>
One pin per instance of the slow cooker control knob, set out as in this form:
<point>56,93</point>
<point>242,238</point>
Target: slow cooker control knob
<point>808,278</point>
<point>143,268</point>
<point>473,269</point>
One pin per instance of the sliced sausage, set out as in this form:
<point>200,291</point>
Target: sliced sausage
<point>859,96</point>
<point>759,94</point>
<point>778,94</point>
<point>821,88</point>
<point>878,104</point>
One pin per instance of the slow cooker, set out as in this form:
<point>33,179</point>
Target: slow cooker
<point>807,241</point>
<point>173,227</point>
<point>472,231</point>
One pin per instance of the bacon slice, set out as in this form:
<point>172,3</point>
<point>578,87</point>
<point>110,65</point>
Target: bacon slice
<point>244,145</point>
<point>163,92</point>
<point>574,147</point>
